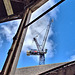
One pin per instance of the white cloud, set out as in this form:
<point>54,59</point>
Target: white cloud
<point>1,41</point>
<point>50,47</point>
<point>72,58</point>
<point>9,29</point>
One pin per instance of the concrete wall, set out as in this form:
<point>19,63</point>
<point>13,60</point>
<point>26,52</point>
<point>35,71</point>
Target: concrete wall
<point>68,70</point>
<point>65,70</point>
<point>35,70</point>
<point>50,69</point>
<point>39,70</point>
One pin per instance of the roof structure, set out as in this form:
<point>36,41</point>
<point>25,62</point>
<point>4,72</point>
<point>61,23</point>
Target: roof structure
<point>44,69</point>
<point>14,9</point>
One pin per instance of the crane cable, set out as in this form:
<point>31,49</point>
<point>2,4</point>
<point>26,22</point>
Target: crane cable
<point>39,32</point>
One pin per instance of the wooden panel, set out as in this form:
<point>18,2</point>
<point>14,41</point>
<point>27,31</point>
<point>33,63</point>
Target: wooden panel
<point>8,7</point>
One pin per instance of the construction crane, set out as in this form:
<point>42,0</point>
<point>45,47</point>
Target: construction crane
<point>40,48</point>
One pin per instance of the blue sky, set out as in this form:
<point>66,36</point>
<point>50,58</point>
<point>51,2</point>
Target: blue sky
<point>60,42</point>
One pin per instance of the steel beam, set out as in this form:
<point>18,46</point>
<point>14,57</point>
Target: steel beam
<point>9,67</point>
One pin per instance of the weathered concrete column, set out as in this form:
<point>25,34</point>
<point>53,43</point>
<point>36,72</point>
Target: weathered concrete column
<point>14,52</point>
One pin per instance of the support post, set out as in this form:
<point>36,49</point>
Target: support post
<point>9,67</point>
